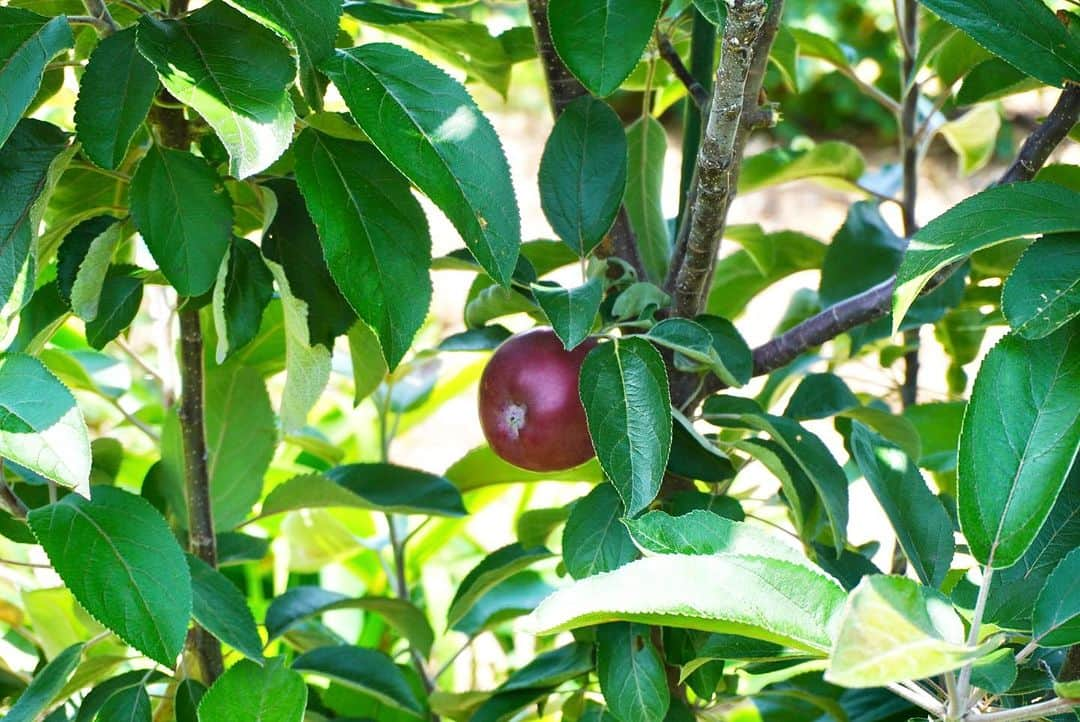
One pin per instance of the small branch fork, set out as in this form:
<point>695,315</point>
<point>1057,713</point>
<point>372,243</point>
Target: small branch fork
<point>875,302</point>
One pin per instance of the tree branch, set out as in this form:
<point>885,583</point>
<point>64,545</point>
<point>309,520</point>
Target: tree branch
<point>1030,712</point>
<point>696,90</point>
<point>14,504</point>
<point>101,17</point>
<point>563,89</point>
<point>716,164</point>
<point>702,57</point>
<point>875,302</point>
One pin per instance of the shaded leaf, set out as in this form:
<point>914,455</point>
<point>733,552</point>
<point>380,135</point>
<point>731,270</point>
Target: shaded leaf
<point>631,673</point>
<point>367,670</point>
<point>220,608</point>
<point>29,42</point>
<point>496,567</point>
<point>594,539</point>
<point>571,311</point>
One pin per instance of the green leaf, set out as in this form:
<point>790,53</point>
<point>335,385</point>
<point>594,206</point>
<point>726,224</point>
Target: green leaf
<point>310,25</point>
<point>101,235</point>
<point>624,390</point>
<point>385,487</point>
<point>41,427</point>
<point>735,356</point>
<point>300,603</point>
<point>429,128</point>
<point>996,672</point>
<point>1068,690</point>
<point>184,214</point>
<point>999,214</point>
<point>40,319</point>
<point>552,668</point>
<point>751,596</point>
<point>631,672</point>
<point>509,599</point>
<point>923,527</point>
<point>706,533</point>
<point>815,45</point>
<point>368,365</point>
<point>29,42</point>
<point>101,695</point>
<point>121,295</point>
<point>594,540</point>
<point>571,311</point>
<point>28,161</point>
<point>864,252</point>
<point>374,235</point>
<point>832,161</point>
<point>115,94</point>
<point>583,173</point>
<point>45,685</point>
<point>131,704</point>
<point>1056,620</point>
<point>973,137</point>
<point>482,467</point>
<point>804,449</point>
<point>307,363</point>
<point>699,347</point>
<point>496,567</point>
<point>1043,291</point>
<point>601,41</point>
<point>250,693</point>
<point>994,79</point>
<point>1025,33</point>
<point>366,670</point>
<point>647,148</point>
<point>819,396</point>
<point>894,630</point>
<point>715,11</point>
<point>694,456</point>
<point>243,290</point>
<point>120,560</point>
<point>220,608</point>
<point>292,242</point>
<point>234,73</point>
<point>1020,436</point>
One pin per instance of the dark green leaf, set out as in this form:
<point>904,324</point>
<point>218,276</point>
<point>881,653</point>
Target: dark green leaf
<point>45,685</point>
<point>233,72</point>
<point>1024,32</point>
<point>184,214</point>
<point>511,598</point>
<point>243,290</point>
<point>220,608</point>
<point>368,365</point>
<point>923,527</point>
<point>631,672</point>
<point>571,311</point>
<point>76,248</point>
<point>647,148</point>
<point>803,448</point>
<point>39,319</point>
<point>819,396</point>
<point>374,235</point>
<point>864,252</point>
<point>1043,292</point>
<point>428,126</point>
<point>485,338</point>
<point>731,348</point>
<point>1056,619</point>
<point>1020,436</point>
<point>115,94</point>
<point>121,295</point>
<point>102,693</point>
<point>41,427</point>
<point>624,390</point>
<point>551,669</point>
<point>367,670</point>
<point>699,348</point>
<point>310,25</point>
<point>694,456</point>
<point>250,693</point>
<point>594,539</point>
<point>993,79</point>
<point>995,672</point>
<point>583,173</point>
<point>27,162</point>
<point>398,489</point>
<point>120,560</point>
<point>602,40</point>
<point>131,704</point>
<point>292,242</point>
<point>496,567</point>
<point>300,603</point>
<point>991,217</point>
<point>29,42</point>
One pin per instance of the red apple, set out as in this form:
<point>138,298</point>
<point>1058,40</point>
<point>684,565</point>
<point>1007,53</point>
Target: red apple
<point>529,405</point>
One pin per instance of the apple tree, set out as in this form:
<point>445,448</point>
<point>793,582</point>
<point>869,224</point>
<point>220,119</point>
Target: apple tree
<point>216,292</point>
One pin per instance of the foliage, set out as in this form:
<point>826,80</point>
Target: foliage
<point>218,260</point>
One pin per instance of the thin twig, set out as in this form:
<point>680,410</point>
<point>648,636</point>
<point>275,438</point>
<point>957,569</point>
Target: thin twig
<point>103,20</point>
<point>963,686</point>
<point>696,91</point>
<point>32,565</point>
<point>453,657</point>
<point>872,91</point>
<point>139,361</point>
<point>135,421</point>
<point>919,698</point>
<point>1030,712</point>
<point>14,504</point>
